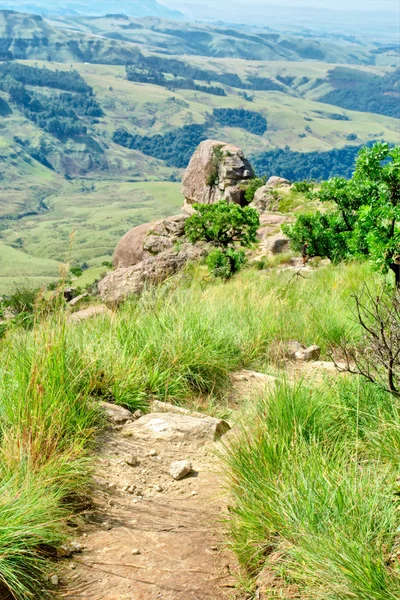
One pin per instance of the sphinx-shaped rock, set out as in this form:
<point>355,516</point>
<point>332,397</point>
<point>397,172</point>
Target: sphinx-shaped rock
<point>216,171</point>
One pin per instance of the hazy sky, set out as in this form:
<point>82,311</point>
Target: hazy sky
<point>220,5</point>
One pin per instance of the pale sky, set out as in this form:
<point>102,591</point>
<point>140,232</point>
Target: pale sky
<point>220,5</point>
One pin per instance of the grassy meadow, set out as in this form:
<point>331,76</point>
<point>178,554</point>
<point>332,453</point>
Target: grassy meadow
<point>311,473</point>
<point>83,224</point>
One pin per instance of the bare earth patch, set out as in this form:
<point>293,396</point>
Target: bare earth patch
<point>149,536</point>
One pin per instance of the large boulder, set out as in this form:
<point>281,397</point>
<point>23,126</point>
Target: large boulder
<point>264,200</point>
<point>216,171</point>
<point>148,240</point>
<point>274,182</point>
<point>128,281</point>
<point>174,428</point>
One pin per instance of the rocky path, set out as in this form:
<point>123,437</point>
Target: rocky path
<point>148,535</point>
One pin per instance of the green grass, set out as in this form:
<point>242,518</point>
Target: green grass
<point>96,215</point>
<point>190,334</point>
<point>180,342</point>
<point>47,423</point>
<point>315,493</point>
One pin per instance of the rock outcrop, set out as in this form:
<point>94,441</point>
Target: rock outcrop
<point>216,171</point>
<point>264,200</point>
<point>274,182</point>
<point>124,282</point>
<point>147,240</point>
<point>174,428</point>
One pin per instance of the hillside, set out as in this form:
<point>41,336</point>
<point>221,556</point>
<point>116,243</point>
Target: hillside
<point>119,411</point>
<point>74,119</point>
<point>49,174</point>
<point>135,8</point>
<point>109,40</point>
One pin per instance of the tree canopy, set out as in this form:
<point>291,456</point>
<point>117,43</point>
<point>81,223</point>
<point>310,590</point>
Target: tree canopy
<point>362,214</point>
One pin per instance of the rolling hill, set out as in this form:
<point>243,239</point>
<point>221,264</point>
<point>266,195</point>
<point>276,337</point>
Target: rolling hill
<point>114,39</point>
<point>92,146</point>
<point>135,8</point>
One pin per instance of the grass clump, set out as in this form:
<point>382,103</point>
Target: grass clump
<point>47,422</point>
<point>314,493</point>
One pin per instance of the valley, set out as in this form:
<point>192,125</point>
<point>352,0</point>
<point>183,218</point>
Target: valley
<point>87,150</point>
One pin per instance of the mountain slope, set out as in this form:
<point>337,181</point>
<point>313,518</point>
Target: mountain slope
<point>113,39</point>
<point>135,8</point>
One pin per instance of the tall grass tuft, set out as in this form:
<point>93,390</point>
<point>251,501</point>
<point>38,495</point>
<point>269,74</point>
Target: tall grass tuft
<point>314,493</point>
<point>47,423</point>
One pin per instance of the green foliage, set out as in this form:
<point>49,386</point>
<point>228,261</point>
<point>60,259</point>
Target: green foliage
<point>70,81</point>
<point>22,300</point>
<point>213,176</point>
<point>76,271</point>
<point>297,166</point>
<point>223,225</point>
<point>313,490</point>
<point>176,147</point>
<point>303,187</point>
<point>363,91</point>
<point>251,121</point>
<point>225,264</point>
<point>365,220</point>
<point>157,78</point>
<point>227,227</point>
<point>252,186</point>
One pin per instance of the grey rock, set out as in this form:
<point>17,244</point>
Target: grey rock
<point>78,299</point>
<point>179,469</point>
<point>277,244</point>
<point>131,460</point>
<point>54,580</point>
<point>176,427</point>
<point>124,282</point>
<point>229,172</point>
<point>274,182</point>
<point>264,200</point>
<point>308,354</point>
<point>87,313</point>
<point>148,239</point>
<point>116,414</point>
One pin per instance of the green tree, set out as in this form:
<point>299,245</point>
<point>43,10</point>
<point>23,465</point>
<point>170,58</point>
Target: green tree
<point>362,218</point>
<point>229,228</point>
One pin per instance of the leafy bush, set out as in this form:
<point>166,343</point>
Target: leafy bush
<point>252,186</point>
<point>76,271</point>
<point>22,300</point>
<point>227,227</point>
<point>303,186</point>
<point>225,264</point>
<point>365,220</point>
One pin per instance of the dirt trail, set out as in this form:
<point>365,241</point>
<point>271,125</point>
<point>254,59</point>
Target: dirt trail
<point>148,536</point>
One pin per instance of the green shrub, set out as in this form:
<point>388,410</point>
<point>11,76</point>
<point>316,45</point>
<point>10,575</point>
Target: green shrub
<point>22,299</point>
<point>227,227</point>
<point>303,186</point>
<point>76,271</point>
<point>225,264</point>
<point>252,186</point>
<point>365,220</point>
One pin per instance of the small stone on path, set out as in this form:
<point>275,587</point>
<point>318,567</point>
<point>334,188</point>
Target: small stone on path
<point>180,469</point>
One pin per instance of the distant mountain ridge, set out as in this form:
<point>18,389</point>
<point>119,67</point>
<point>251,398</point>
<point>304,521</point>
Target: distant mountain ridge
<point>133,8</point>
<point>115,38</point>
